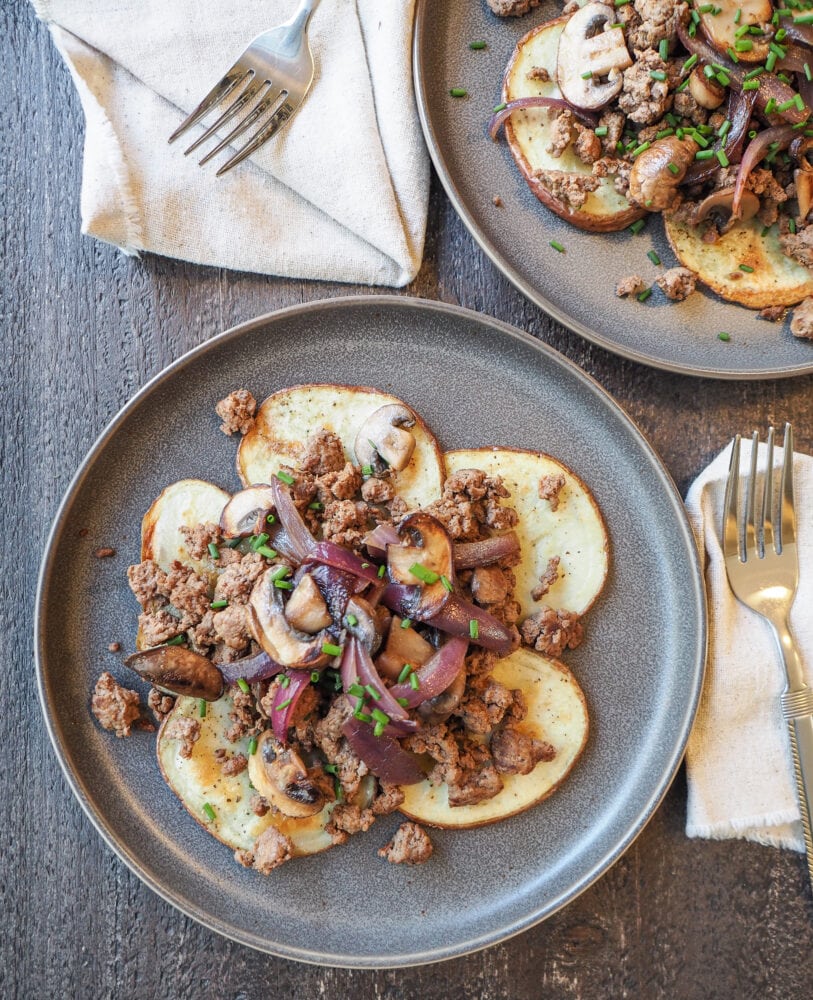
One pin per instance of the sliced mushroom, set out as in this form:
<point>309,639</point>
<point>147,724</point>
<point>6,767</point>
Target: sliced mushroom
<point>707,92</point>
<point>280,776</point>
<point>381,440</point>
<point>587,45</point>
<point>719,204</point>
<point>721,22</point>
<point>306,608</point>
<point>271,629</point>
<point>657,172</point>
<point>240,514</point>
<point>439,708</point>
<point>404,645</point>
<point>803,179</point>
<point>423,559</point>
<point>177,670</point>
<point>367,623</point>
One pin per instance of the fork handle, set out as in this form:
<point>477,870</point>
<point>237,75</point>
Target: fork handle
<point>797,707</point>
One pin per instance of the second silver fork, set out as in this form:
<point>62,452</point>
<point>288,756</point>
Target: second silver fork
<point>762,564</point>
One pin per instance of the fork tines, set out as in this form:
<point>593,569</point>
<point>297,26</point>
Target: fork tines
<point>259,98</point>
<point>775,529</point>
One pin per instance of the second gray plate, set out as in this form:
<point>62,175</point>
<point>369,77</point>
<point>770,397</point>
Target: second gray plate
<point>476,382</point>
<point>576,287</point>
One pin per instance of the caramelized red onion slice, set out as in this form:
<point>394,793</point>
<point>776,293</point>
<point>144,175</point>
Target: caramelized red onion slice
<point>456,617</point>
<point>341,558</point>
<point>740,109</point>
<point>497,120</point>
<point>357,667</point>
<point>379,538</point>
<point>250,669</point>
<point>436,675</point>
<point>467,555</point>
<point>383,754</point>
<point>285,701</point>
<point>756,149</point>
<point>301,541</point>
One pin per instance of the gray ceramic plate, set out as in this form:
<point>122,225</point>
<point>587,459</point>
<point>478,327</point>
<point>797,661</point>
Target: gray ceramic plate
<point>476,382</point>
<point>577,287</point>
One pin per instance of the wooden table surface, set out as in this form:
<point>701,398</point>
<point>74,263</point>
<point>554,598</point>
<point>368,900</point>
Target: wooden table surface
<point>83,328</point>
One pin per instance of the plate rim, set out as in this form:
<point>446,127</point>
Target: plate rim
<point>310,956</point>
<point>419,79</point>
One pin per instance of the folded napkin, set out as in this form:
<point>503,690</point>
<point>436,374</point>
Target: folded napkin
<point>739,767</point>
<point>340,194</point>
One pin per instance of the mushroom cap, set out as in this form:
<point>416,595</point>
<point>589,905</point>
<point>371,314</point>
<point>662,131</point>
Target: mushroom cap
<point>381,441</point>
<point>273,632</point>
<point>585,46</point>
<point>179,671</point>
<point>279,775</point>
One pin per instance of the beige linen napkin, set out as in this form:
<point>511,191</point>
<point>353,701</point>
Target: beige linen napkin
<point>340,194</point>
<point>738,759</point>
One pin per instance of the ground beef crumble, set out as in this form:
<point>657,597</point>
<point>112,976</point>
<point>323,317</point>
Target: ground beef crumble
<point>470,502</point>
<point>551,631</point>
<point>677,284</point>
<point>116,708</point>
<point>237,411</point>
<point>186,731</point>
<point>547,579</point>
<point>160,704</point>
<point>550,486</point>
<point>633,284</point>
<point>512,8</point>
<point>410,845</point>
<point>271,849</point>
<point>517,753</point>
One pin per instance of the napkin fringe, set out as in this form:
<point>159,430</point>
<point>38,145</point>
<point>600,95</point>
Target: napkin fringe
<point>754,828</point>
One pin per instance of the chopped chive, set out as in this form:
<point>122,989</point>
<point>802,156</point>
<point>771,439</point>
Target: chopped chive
<point>406,623</point>
<point>218,605</point>
<point>747,268</point>
<point>750,85</point>
<point>500,107</point>
<point>723,130</point>
<point>663,49</point>
<point>765,231</point>
<point>373,692</point>
<point>474,628</point>
<point>557,246</point>
<point>807,72</point>
<point>378,729</point>
<point>176,641</point>
<point>315,505</point>
<point>234,543</point>
<point>365,565</point>
<point>380,716</point>
<point>601,131</point>
<point>283,704</point>
<point>351,619</point>
<point>644,295</point>
<point>381,571</point>
<point>786,105</point>
<point>315,675</point>
<point>285,477</point>
<point>422,573</point>
<point>724,336</point>
<point>252,746</point>
<point>690,63</point>
<point>270,519</point>
<point>770,62</point>
<point>242,683</point>
<point>587,75</point>
<point>637,226</point>
<point>758,71</point>
<point>477,45</point>
<point>723,79</point>
<point>792,225</point>
<point>214,551</point>
<point>283,585</point>
<point>641,149</point>
<point>403,702</point>
<point>405,672</point>
<point>744,45</point>
<point>284,681</point>
<point>209,812</point>
<point>673,168</point>
<point>446,585</point>
<point>366,470</point>
<point>330,649</point>
<point>280,572</point>
<point>654,257</point>
<point>263,550</point>
<point>803,19</point>
<point>738,15</point>
<point>664,132</point>
<point>330,769</point>
<point>732,55</point>
<point>459,92</point>
<point>363,716</point>
<point>722,158</point>
<point>356,690</point>
<point>414,682</point>
<point>258,540</point>
<point>202,707</point>
<point>708,72</point>
<point>657,74</point>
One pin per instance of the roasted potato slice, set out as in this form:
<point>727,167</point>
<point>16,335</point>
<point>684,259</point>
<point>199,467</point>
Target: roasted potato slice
<point>574,531</point>
<point>186,503</point>
<point>557,713</point>
<point>286,420</point>
<point>529,133</point>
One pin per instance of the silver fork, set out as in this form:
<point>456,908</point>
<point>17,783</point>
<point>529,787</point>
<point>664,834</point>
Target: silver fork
<point>763,571</point>
<point>269,81</point>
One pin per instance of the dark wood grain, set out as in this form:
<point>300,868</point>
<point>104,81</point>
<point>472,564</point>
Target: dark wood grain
<point>83,328</point>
